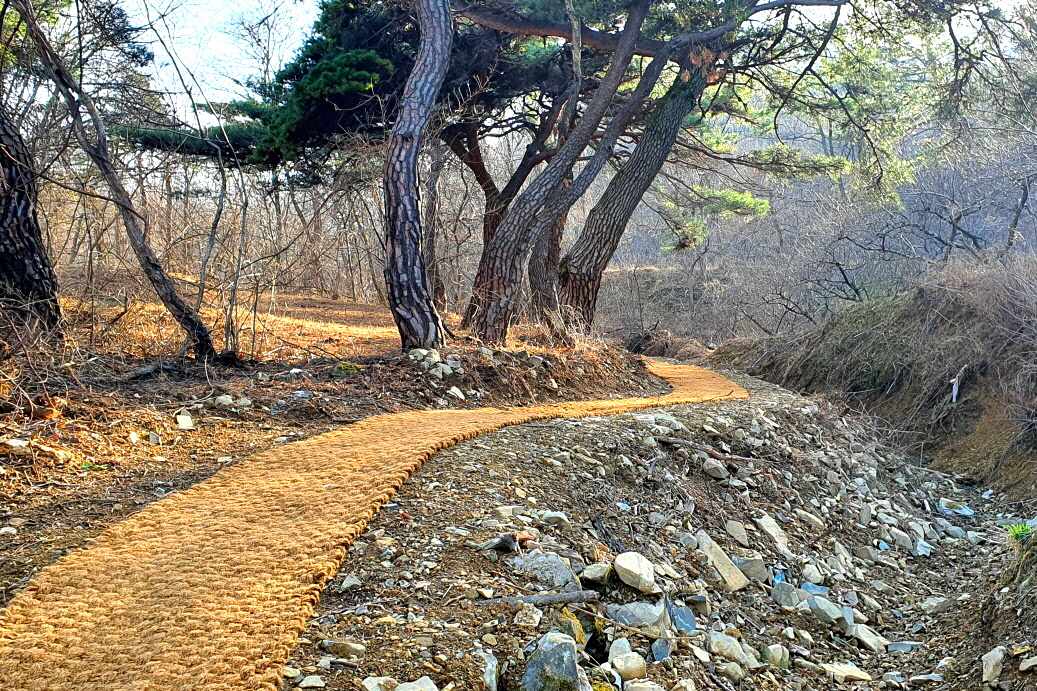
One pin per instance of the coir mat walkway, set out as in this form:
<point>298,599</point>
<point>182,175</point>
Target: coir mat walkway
<point>210,588</point>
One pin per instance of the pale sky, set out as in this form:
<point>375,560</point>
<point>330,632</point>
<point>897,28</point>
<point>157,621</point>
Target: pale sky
<point>200,35</point>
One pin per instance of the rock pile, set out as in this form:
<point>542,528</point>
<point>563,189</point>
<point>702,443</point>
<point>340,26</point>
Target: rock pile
<point>763,544</point>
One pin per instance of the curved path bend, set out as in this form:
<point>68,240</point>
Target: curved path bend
<point>209,589</point>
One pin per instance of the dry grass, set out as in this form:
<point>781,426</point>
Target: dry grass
<point>898,358</point>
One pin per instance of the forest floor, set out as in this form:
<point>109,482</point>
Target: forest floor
<point>111,436</point>
<point>803,494</point>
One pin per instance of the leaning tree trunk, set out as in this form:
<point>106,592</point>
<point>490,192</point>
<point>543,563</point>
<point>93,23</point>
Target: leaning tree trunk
<point>497,288</point>
<point>583,267</point>
<point>27,280</point>
<point>78,101</point>
<point>417,319</point>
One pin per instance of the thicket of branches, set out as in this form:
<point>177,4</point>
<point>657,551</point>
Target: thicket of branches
<point>740,168</point>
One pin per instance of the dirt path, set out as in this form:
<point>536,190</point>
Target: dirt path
<point>210,588</point>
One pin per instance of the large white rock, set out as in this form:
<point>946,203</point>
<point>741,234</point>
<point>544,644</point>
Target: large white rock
<point>423,684</point>
<point>637,571</point>
<point>727,647</point>
<point>630,666</point>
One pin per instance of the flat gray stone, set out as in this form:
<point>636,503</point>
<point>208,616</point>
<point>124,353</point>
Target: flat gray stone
<point>636,613</point>
<point>770,526</point>
<point>553,666</point>
<point>737,531</point>
<point>785,594</point>
<point>994,664</point>
<point>753,568</point>
<point>824,610</point>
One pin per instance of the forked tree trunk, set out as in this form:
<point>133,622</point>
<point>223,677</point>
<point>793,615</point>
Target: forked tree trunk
<point>496,291</point>
<point>417,319</point>
<point>78,101</point>
<point>583,267</point>
<point>498,281</point>
<point>27,280</point>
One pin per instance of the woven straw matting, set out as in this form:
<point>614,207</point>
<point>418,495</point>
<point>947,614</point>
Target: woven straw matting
<point>210,588</point>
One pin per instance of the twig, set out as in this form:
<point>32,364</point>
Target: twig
<point>549,599</point>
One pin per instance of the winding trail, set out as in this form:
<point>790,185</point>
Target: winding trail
<point>210,588</point>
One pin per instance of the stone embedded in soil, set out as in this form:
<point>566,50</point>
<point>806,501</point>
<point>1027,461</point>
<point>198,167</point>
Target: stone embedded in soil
<point>544,566</point>
<point>732,670</point>
<point>775,655</point>
<point>785,594</point>
<point>312,682</point>
<point>597,572</point>
<point>422,684</point>
<point>936,605</point>
<point>994,664</point>
<point>813,574</point>
<point>379,684</point>
<point>810,519</point>
<point>491,669</point>
<point>620,646</point>
<point>553,666</point>
<point>715,469</point>
<point>1028,664</point>
<point>733,578</point>
<point>344,648</point>
<point>737,531</point>
<point>635,613</point>
<point>630,666</point>
<point>868,637</point>
<point>558,519</point>
<point>925,679</point>
<point>824,610</point>
<point>846,671</point>
<point>727,647</point>
<point>754,568</point>
<point>528,616</point>
<point>769,526</point>
<point>643,686</point>
<point>637,571</point>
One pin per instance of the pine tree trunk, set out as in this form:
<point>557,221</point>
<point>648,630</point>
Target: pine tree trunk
<point>411,303</point>
<point>430,217</point>
<point>583,267</point>
<point>27,280</point>
<point>543,271</point>
<point>544,201</point>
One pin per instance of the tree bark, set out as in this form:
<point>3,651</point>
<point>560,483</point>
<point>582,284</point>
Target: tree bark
<point>417,319</point>
<point>78,100</point>
<point>463,140</point>
<point>546,199</point>
<point>430,216</point>
<point>583,267</point>
<point>544,259</point>
<point>27,280</point>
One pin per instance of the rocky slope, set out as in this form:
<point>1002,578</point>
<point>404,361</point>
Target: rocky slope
<point>760,544</point>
